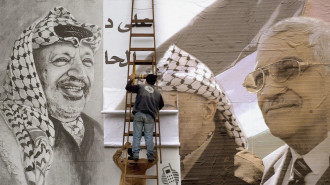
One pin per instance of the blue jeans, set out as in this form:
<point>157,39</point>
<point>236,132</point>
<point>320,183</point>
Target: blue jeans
<point>146,121</point>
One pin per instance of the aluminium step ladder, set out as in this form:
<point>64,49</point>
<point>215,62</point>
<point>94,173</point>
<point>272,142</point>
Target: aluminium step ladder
<point>129,103</point>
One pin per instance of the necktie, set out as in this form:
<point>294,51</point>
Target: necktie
<point>300,170</point>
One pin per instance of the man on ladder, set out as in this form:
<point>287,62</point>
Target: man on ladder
<point>147,104</point>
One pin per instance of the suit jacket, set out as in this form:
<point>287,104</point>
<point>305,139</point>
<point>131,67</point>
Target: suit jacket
<point>276,165</point>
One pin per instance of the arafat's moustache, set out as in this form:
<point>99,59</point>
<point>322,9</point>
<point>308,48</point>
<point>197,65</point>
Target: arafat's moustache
<point>76,81</point>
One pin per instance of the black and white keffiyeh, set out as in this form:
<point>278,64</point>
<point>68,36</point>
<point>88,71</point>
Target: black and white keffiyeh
<point>180,71</point>
<point>23,102</point>
<point>59,26</point>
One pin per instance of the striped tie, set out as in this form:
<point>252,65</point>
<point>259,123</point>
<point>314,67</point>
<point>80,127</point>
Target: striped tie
<point>300,170</point>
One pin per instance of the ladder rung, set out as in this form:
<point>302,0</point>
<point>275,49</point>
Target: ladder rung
<point>142,62</point>
<point>142,34</point>
<point>130,105</point>
<point>129,120</point>
<point>144,147</point>
<point>137,162</point>
<point>142,49</point>
<point>130,133</point>
<point>142,20</point>
<point>142,176</point>
<point>132,118</point>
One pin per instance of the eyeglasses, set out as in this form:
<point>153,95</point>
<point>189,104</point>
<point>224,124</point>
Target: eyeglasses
<point>280,72</point>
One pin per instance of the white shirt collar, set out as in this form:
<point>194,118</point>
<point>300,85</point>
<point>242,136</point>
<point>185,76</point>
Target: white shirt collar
<point>321,152</point>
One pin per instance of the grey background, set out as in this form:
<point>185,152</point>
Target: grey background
<point>17,15</point>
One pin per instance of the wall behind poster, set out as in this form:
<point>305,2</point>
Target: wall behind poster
<point>116,36</point>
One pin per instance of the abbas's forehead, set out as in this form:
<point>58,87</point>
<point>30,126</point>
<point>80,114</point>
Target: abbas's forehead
<point>283,45</point>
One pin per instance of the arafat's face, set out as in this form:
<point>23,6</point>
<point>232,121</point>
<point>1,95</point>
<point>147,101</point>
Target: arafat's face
<point>296,105</point>
<point>66,73</point>
<point>193,130</point>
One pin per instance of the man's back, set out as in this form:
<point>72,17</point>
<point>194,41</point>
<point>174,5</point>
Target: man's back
<point>148,98</point>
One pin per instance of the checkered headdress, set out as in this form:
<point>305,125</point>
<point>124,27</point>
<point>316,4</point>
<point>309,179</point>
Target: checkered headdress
<point>184,73</point>
<point>23,102</point>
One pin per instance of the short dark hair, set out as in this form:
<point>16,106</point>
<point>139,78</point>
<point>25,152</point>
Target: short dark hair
<point>151,79</point>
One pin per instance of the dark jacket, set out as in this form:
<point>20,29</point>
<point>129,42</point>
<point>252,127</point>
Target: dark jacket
<point>148,98</point>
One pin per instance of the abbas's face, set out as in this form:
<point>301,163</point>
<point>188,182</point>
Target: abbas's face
<point>294,105</point>
<point>66,73</point>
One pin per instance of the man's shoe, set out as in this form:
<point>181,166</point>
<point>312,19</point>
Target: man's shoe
<point>135,158</point>
<point>130,152</point>
<point>151,158</point>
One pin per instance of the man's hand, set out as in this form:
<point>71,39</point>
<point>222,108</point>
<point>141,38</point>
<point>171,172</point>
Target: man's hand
<point>132,76</point>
